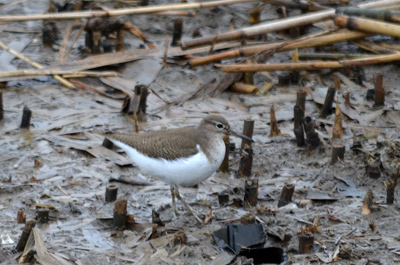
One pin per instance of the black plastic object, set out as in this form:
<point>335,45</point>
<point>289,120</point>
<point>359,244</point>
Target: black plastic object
<point>269,255</point>
<point>237,236</point>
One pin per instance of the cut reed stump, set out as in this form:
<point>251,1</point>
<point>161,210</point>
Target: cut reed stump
<point>25,235</point>
<point>251,192</point>
<point>26,118</point>
<point>286,195</point>
<point>120,214</point>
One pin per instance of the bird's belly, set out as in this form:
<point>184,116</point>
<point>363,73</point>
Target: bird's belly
<point>183,172</point>
<point>187,171</point>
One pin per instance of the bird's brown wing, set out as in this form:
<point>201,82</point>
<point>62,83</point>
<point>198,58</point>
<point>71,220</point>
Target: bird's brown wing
<point>169,144</point>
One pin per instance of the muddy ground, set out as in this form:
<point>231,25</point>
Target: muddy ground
<point>59,163</point>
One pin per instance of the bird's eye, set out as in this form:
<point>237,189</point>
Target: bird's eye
<point>220,126</point>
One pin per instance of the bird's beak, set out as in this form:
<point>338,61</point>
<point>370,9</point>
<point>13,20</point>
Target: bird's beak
<point>241,136</point>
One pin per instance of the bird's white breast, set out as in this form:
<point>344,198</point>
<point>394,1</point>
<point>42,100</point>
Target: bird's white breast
<point>187,171</point>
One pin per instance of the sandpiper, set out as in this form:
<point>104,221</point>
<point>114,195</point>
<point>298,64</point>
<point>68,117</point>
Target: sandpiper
<point>179,157</point>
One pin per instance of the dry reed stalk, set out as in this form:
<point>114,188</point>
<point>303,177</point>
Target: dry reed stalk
<point>340,36</point>
<point>368,25</point>
<point>315,65</point>
<point>34,64</point>
<point>122,12</point>
<point>276,25</point>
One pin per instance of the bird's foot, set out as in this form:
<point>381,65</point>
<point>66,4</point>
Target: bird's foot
<point>175,212</point>
<point>175,194</point>
<point>189,211</point>
<point>195,214</point>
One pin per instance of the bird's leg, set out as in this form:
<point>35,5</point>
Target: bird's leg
<point>188,208</point>
<point>172,188</point>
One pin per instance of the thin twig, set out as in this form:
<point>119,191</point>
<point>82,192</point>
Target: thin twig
<point>26,59</point>
<point>65,42</point>
<point>55,72</point>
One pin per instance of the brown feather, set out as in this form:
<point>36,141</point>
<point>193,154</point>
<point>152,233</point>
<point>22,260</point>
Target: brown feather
<point>169,144</point>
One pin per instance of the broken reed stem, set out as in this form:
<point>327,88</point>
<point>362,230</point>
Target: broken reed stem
<point>368,200</point>
<point>225,163</point>
<point>26,118</point>
<point>301,99</point>
<point>286,195</point>
<point>378,14</point>
<point>327,108</point>
<point>121,12</point>
<point>298,126</point>
<point>303,6</point>
<point>94,43</point>
<point>36,65</point>
<point>390,186</point>
<point>64,44</point>
<point>143,92</point>
<point>338,128</point>
<point>177,32</point>
<point>243,88</point>
<point>25,235</point>
<point>337,81</point>
<point>120,45</point>
<point>312,65</point>
<point>251,192</point>
<point>111,192</point>
<point>339,36</point>
<point>246,163</point>
<point>255,15</point>
<point>346,100</point>
<point>136,105</point>
<point>176,13</point>
<point>248,129</point>
<point>165,57</point>
<point>273,123</point>
<point>18,73</point>
<point>306,242</point>
<point>369,197</point>
<point>338,147</point>
<point>338,150</point>
<point>368,25</point>
<point>21,216</point>
<point>252,31</point>
<point>375,48</point>
<point>295,74</point>
<point>120,214</point>
<point>213,44</point>
<point>1,106</point>
<point>312,137</point>
<point>330,56</point>
<point>379,90</point>
<point>135,123</point>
